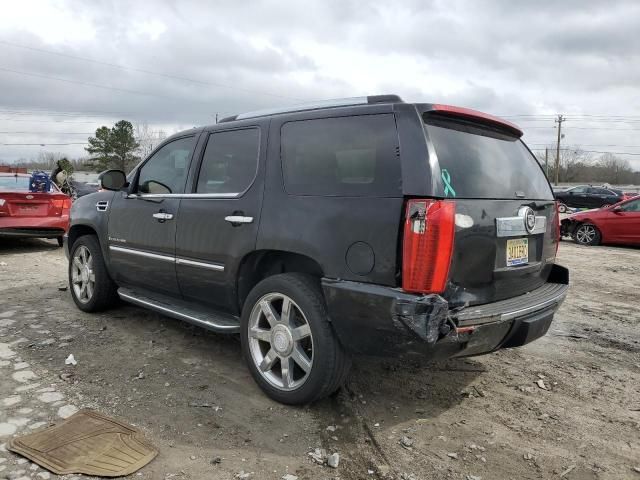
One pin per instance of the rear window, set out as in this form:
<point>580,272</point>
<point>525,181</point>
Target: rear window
<point>14,183</point>
<point>481,163</point>
<point>343,156</point>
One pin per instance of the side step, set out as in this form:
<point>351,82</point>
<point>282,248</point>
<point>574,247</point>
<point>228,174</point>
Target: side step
<point>217,322</point>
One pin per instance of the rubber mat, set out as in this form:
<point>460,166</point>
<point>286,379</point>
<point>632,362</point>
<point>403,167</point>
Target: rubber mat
<point>87,442</point>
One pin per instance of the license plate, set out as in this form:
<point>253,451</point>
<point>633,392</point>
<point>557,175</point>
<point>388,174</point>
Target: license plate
<point>517,251</point>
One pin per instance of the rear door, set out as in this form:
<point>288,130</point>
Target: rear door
<point>142,224</point>
<point>218,220</point>
<point>577,197</point>
<point>505,231</point>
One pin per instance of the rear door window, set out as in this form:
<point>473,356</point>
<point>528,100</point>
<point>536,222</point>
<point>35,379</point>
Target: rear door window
<point>342,156</point>
<point>480,163</point>
<point>230,161</point>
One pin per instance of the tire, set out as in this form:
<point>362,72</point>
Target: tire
<point>587,234</point>
<point>562,208</point>
<point>103,292</point>
<point>60,241</point>
<point>306,338</point>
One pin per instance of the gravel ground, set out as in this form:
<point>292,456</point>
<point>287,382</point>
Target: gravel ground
<point>566,406</point>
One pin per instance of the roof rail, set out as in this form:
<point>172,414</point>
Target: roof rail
<point>339,102</point>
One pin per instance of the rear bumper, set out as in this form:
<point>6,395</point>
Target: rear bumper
<point>39,227</point>
<point>377,320</point>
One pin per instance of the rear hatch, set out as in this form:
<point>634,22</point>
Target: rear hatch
<point>497,186</point>
<point>17,201</point>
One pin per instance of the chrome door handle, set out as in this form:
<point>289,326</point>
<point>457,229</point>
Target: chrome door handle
<point>238,219</point>
<point>163,216</point>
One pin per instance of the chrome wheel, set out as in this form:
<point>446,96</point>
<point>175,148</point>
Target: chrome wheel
<point>83,278</point>
<point>280,341</point>
<point>585,234</point>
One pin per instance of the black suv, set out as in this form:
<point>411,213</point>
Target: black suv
<point>366,225</point>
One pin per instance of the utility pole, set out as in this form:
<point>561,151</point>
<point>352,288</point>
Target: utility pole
<point>216,118</point>
<point>546,162</point>
<point>559,121</point>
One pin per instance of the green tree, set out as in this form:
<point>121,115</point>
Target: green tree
<point>113,147</point>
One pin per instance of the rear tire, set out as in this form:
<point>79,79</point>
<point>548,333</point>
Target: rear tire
<point>91,286</point>
<point>300,339</point>
<point>587,234</point>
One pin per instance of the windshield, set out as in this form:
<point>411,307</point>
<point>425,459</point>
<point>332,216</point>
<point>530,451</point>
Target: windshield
<point>480,163</point>
<point>14,183</point>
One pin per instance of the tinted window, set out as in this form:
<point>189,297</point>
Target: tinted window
<point>14,183</point>
<point>346,156</point>
<point>166,170</point>
<point>478,163</point>
<point>578,190</point>
<point>230,161</point>
<point>632,206</point>
<point>600,191</point>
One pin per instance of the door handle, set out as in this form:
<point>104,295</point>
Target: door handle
<point>238,219</point>
<point>163,216</point>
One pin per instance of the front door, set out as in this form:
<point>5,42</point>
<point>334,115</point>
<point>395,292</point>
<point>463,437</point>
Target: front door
<point>625,223</point>
<point>218,221</point>
<point>142,223</point>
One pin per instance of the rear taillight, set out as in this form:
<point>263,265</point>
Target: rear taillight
<point>427,245</point>
<point>64,203</point>
<point>556,225</point>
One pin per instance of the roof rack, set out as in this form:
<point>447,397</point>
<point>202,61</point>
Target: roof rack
<point>339,102</point>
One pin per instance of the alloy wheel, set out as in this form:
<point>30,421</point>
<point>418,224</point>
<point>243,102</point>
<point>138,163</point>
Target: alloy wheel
<point>585,234</point>
<point>83,278</point>
<point>280,341</point>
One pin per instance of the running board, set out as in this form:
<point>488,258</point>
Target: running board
<point>181,310</point>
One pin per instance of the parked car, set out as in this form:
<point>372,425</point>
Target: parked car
<point>368,226</point>
<point>32,214</point>
<point>618,223</point>
<point>586,196</point>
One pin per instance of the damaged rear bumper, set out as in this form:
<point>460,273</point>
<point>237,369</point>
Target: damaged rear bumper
<point>377,320</point>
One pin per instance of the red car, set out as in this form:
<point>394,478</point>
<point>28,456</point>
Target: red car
<point>32,214</point>
<point>619,223</point>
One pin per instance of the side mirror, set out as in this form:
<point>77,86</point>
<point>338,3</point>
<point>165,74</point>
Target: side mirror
<point>617,209</point>
<point>112,179</point>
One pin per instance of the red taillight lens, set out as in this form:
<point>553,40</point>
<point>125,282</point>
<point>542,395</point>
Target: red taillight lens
<point>427,245</point>
<point>64,203</point>
<point>556,225</point>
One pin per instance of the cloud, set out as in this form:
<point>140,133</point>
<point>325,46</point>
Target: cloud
<point>504,57</point>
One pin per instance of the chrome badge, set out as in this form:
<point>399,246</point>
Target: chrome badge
<point>529,217</point>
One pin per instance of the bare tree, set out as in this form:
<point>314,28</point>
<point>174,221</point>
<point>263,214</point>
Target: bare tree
<point>148,138</point>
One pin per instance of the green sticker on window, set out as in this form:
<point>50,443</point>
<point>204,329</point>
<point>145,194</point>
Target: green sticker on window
<point>446,178</point>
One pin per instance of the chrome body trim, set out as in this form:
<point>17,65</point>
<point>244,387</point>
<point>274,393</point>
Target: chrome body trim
<point>192,263</point>
<point>238,219</point>
<point>515,226</point>
<point>184,195</point>
<point>218,267</point>
<point>142,253</point>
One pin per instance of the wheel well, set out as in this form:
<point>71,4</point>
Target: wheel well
<point>264,263</point>
<point>78,231</point>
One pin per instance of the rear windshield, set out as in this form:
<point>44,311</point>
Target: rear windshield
<point>480,163</point>
<point>14,183</point>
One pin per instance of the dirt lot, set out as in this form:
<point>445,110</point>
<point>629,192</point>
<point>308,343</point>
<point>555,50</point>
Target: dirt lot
<point>189,390</point>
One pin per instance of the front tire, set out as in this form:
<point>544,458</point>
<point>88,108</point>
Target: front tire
<point>91,286</point>
<point>587,234</point>
<point>288,342</point>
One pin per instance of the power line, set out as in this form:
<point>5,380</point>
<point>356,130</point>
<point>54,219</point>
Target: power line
<point>48,133</point>
<point>41,144</point>
<point>78,82</point>
<point>148,72</point>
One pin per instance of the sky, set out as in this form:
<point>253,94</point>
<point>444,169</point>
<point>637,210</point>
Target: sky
<point>68,67</point>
